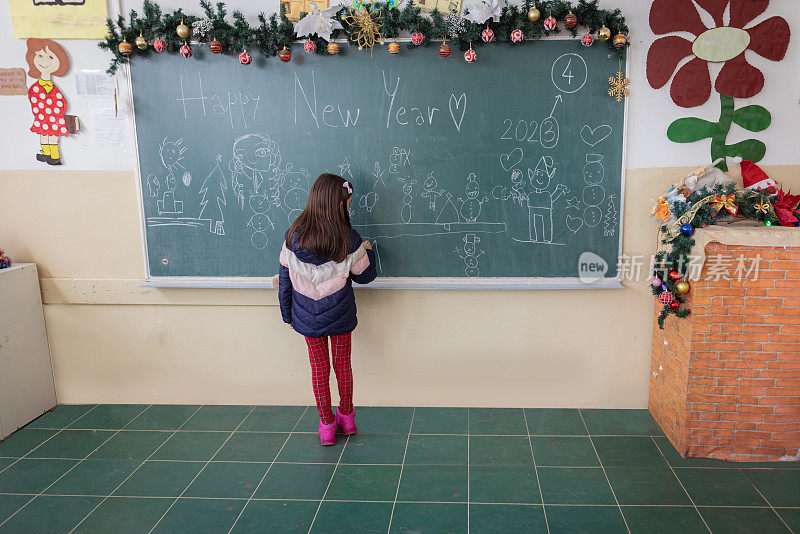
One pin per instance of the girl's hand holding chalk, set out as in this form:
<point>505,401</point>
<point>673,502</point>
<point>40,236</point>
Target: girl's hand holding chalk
<point>367,245</point>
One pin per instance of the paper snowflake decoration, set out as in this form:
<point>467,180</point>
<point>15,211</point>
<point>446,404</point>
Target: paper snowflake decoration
<point>619,86</point>
<point>456,25</point>
<point>318,22</point>
<point>202,27</point>
<point>479,11</point>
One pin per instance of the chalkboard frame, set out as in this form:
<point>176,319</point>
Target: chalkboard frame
<point>435,283</point>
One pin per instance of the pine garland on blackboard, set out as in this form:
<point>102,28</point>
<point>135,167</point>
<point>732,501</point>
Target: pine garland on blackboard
<point>272,33</point>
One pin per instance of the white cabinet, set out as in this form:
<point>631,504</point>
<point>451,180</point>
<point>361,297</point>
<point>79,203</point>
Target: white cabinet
<point>26,373</point>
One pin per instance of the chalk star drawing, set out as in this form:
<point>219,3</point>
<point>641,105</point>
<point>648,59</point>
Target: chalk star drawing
<point>619,86</point>
<point>573,203</point>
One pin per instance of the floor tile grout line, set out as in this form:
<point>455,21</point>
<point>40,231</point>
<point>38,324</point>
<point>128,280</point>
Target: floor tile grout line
<point>59,431</point>
<point>402,466</point>
<point>202,469</point>
<point>319,506</point>
<point>765,499</point>
<point>536,470</point>
<point>131,473</point>
<point>68,471</point>
<point>681,483</point>
<point>267,471</point>
<point>613,493</point>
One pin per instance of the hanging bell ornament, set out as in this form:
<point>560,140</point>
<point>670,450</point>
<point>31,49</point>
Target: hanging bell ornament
<point>182,30</point>
<point>534,14</point>
<point>215,46</point>
<point>285,55</point>
<point>444,50</point>
<point>125,48</point>
<point>141,42</point>
<point>604,34</point>
<point>160,45</point>
<point>570,21</point>
<point>394,48</point>
<point>620,40</point>
<point>333,48</point>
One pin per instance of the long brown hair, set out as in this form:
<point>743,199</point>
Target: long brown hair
<point>34,45</point>
<point>324,225</point>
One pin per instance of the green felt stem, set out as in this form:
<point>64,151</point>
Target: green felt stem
<point>719,149</point>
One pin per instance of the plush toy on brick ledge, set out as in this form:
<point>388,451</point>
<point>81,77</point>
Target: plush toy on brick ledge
<point>5,261</point>
<point>705,197</point>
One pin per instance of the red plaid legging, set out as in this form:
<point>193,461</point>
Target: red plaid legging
<point>321,373</point>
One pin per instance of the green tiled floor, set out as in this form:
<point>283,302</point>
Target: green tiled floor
<point>140,468</point>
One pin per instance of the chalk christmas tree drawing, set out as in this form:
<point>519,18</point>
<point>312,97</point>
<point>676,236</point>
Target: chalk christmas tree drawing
<point>214,187</point>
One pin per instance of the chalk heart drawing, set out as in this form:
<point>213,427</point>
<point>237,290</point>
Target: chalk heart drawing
<point>455,105</point>
<point>574,223</point>
<point>512,159</point>
<point>592,136</point>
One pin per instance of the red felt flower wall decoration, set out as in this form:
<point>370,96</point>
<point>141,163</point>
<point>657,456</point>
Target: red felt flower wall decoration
<point>691,85</point>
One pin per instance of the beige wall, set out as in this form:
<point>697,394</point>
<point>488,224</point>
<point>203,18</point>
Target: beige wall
<point>113,341</point>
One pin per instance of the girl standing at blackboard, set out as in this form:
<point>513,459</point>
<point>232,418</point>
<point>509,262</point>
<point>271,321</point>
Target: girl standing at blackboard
<point>321,257</point>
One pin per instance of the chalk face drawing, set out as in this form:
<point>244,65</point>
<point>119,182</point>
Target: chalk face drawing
<point>478,181</point>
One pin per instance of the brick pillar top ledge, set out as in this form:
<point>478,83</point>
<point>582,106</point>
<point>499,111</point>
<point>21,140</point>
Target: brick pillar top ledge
<point>725,381</point>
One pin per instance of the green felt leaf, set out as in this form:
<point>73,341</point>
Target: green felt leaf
<point>753,118</point>
<point>751,149</point>
<point>689,130</point>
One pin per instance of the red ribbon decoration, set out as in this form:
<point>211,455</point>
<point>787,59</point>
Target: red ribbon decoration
<point>725,201</point>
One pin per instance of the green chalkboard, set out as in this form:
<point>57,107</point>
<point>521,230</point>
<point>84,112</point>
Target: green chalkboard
<point>508,168</point>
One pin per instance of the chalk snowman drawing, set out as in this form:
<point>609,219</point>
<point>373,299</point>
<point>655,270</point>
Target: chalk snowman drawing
<point>297,184</point>
<point>471,206</point>
<point>405,210</point>
<point>213,189</point>
<point>593,192</point>
<point>470,254</point>
<point>540,200</point>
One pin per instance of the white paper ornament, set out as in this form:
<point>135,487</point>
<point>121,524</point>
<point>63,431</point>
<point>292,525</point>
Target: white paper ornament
<point>479,11</point>
<point>318,22</point>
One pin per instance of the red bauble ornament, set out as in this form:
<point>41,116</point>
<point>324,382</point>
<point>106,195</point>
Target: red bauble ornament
<point>470,56</point>
<point>285,55</point>
<point>665,297</point>
<point>517,36</point>
<point>160,45</point>
<point>186,50</point>
<point>674,305</point>
<point>125,48</point>
<point>245,58</point>
<point>215,46</point>
<point>674,275</point>
<point>587,40</point>
<point>444,50</point>
<point>487,35</point>
<point>310,46</point>
<point>549,23</point>
<point>570,21</point>
<point>417,38</point>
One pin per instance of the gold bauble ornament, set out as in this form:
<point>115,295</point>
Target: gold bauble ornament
<point>534,14</point>
<point>182,30</point>
<point>604,34</point>
<point>141,42</point>
<point>681,287</point>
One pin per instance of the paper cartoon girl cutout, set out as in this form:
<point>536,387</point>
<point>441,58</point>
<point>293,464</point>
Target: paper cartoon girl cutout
<point>47,59</point>
<point>540,201</point>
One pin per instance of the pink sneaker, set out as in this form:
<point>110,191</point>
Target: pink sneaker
<point>327,433</point>
<point>346,423</point>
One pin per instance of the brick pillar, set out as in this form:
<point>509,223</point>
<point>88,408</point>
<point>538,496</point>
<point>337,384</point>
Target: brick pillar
<point>725,382</point>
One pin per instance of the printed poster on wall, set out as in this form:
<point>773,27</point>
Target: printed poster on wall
<point>59,19</point>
